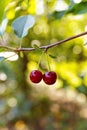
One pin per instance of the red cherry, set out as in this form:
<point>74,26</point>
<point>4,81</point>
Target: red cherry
<point>36,76</point>
<point>50,77</point>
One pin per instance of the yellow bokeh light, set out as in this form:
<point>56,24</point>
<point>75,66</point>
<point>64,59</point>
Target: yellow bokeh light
<point>11,14</point>
<point>24,4</point>
<point>41,27</point>
<point>32,7</point>
<point>69,72</point>
<point>32,65</point>
<point>20,125</point>
<point>74,81</point>
<point>77,49</point>
<point>38,29</point>
<point>58,84</point>
<point>12,102</point>
<point>11,5</point>
<point>35,42</point>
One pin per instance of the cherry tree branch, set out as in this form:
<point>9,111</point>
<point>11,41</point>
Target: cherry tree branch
<point>43,47</point>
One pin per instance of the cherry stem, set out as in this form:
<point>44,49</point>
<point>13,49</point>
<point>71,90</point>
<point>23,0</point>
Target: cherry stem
<point>48,61</point>
<point>40,59</point>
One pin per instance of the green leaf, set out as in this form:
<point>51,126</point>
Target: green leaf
<point>22,24</point>
<point>52,56</point>
<point>58,15</point>
<point>37,48</point>
<point>79,8</point>
<point>3,26</point>
<point>21,54</point>
<point>1,58</point>
<point>74,8</point>
<point>82,89</point>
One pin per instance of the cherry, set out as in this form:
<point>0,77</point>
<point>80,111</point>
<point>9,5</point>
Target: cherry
<point>36,76</point>
<point>50,77</point>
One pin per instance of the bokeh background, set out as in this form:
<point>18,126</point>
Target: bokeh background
<point>28,106</point>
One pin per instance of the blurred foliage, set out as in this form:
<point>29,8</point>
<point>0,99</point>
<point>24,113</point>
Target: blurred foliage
<point>28,106</point>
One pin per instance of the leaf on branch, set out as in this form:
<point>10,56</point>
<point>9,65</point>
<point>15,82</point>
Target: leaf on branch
<point>52,56</point>
<point>3,26</point>
<point>58,15</point>
<point>22,24</point>
<point>37,48</point>
<point>1,58</point>
<point>21,54</point>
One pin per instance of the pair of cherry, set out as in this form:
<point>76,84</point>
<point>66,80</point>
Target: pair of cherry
<point>48,77</point>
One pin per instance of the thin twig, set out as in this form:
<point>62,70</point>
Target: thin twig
<point>8,48</point>
<point>43,47</point>
<point>67,39</point>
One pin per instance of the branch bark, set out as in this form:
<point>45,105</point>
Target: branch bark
<point>43,47</point>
